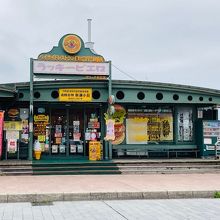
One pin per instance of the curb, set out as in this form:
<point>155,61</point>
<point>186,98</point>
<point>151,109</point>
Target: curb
<point>52,197</point>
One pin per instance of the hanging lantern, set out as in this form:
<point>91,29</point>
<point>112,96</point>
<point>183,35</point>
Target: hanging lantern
<point>111,99</point>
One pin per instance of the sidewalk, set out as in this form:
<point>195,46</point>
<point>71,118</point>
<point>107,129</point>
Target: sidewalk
<point>105,187</point>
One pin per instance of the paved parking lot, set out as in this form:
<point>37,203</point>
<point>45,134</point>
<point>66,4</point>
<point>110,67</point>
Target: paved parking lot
<point>195,209</point>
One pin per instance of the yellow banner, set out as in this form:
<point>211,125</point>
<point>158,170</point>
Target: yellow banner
<point>136,129</point>
<point>44,118</point>
<point>12,125</point>
<point>75,95</point>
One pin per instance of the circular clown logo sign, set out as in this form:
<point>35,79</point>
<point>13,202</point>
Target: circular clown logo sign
<point>71,44</point>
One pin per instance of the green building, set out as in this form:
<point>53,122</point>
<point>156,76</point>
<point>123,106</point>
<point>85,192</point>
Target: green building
<point>68,114</point>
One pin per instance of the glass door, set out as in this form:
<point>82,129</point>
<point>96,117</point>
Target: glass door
<point>93,126</point>
<point>59,132</point>
<point>76,132</point>
<point>72,129</point>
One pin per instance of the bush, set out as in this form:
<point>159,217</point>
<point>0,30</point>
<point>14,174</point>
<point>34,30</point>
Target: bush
<point>217,195</point>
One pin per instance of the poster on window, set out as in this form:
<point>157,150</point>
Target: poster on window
<point>76,126</point>
<point>12,135</point>
<point>54,149</point>
<point>110,130</point>
<point>1,131</point>
<point>166,123</point>
<point>24,113</point>
<point>136,130</point>
<point>12,146</point>
<point>72,148</point>
<point>142,128</point>
<point>185,124</point>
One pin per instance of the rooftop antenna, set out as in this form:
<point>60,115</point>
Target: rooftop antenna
<point>89,44</point>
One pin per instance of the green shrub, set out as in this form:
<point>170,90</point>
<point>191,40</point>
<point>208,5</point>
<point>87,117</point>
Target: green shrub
<point>217,195</point>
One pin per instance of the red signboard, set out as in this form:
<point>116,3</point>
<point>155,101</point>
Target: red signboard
<point>1,131</point>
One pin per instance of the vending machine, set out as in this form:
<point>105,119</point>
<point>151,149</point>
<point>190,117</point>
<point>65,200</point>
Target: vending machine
<point>208,134</point>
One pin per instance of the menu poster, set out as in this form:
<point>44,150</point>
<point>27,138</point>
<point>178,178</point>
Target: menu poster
<point>76,126</point>
<point>54,149</point>
<point>93,136</point>
<point>12,135</point>
<point>40,124</point>
<point>42,146</point>
<point>110,130</point>
<point>41,138</point>
<point>185,124</point>
<point>12,146</point>
<point>58,140</point>
<point>94,124</point>
<point>87,136</point>
<point>80,148</point>
<point>1,131</point>
<point>24,132</point>
<point>58,135</point>
<point>94,150</point>
<point>12,125</point>
<point>13,114</point>
<point>62,148</point>
<point>72,148</point>
<point>76,136</point>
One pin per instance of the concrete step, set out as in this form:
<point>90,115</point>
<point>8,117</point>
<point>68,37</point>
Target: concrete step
<point>16,170</point>
<point>201,171</point>
<point>76,172</point>
<point>185,167</point>
<point>17,173</point>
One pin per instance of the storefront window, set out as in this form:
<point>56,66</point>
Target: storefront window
<point>185,124</point>
<point>67,132</point>
<point>149,125</point>
<point>16,132</point>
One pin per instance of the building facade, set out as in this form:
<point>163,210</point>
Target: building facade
<point>67,114</point>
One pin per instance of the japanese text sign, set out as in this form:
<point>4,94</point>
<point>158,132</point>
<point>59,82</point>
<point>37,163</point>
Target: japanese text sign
<point>70,68</point>
<point>75,95</point>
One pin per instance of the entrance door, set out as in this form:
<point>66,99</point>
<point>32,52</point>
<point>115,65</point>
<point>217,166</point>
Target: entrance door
<point>76,132</point>
<point>59,132</point>
<point>72,129</point>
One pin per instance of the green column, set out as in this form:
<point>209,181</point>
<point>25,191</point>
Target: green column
<point>31,108</point>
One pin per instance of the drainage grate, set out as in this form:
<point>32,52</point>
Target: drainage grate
<point>46,203</point>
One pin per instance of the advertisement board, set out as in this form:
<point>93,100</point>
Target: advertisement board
<point>94,150</point>
<point>144,127</point>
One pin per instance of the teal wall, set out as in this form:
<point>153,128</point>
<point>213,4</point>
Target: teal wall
<point>130,90</point>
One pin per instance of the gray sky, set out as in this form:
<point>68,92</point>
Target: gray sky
<point>174,41</point>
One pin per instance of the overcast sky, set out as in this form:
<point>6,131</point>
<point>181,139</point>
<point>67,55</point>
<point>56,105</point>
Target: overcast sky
<point>172,41</point>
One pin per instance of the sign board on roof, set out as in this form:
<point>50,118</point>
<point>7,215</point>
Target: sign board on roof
<point>71,57</point>
<point>71,48</point>
<point>70,68</point>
